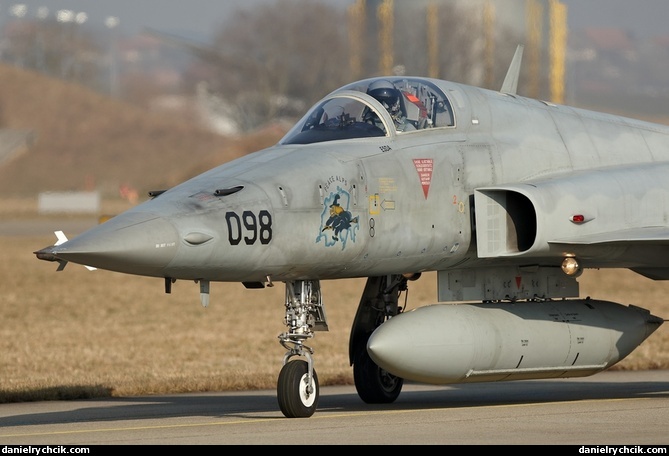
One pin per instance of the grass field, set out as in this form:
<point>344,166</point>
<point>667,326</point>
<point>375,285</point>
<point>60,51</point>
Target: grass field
<point>79,333</point>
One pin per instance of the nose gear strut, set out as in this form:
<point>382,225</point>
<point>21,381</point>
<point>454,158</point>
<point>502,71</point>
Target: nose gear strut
<point>297,388</point>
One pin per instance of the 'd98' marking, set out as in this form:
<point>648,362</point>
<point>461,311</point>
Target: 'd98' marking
<point>254,228</point>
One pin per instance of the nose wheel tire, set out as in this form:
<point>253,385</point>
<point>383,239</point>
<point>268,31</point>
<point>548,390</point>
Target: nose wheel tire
<point>297,393</point>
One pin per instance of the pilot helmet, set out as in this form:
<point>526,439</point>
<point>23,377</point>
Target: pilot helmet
<point>384,91</point>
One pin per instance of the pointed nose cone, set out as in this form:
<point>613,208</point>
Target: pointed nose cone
<point>395,347</point>
<point>134,243</point>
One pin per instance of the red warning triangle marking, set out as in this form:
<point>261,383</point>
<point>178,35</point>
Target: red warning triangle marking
<point>424,166</point>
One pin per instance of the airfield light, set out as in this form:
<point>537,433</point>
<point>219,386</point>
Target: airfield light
<point>111,22</point>
<point>42,12</point>
<point>65,16</point>
<point>571,267</point>
<point>18,10</point>
<point>80,18</point>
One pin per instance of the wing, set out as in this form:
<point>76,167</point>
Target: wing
<point>657,235</point>
<point>607,217</point>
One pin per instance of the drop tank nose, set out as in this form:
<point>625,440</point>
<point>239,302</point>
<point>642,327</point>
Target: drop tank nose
<point>133,243</point>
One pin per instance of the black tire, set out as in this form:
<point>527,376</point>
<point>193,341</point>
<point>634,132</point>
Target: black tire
<point>374,385</point>
<point>296,400</point>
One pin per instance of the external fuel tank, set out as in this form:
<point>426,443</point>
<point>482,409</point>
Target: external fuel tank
<point>458,343</point>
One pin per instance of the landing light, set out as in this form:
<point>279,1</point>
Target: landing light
<point>571,267</point>
<point>411,275</point>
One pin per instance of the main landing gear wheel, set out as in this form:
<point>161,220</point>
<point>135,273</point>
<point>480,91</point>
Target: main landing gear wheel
<point>296,391</point>
<point>374,385</point>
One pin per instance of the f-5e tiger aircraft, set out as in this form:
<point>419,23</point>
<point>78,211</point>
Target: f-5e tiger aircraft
<point>507,198</point>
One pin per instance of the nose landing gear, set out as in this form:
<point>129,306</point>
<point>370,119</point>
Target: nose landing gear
<point>297,387</point>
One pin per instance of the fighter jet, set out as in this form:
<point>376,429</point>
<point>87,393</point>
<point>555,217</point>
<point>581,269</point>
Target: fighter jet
<point>508,199</point>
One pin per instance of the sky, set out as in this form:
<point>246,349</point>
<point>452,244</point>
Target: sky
<point>193,18</point>
<point>642,17</point>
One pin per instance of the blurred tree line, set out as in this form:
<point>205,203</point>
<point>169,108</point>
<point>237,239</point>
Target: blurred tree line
<point>275,60</point>
<point>58,49</point>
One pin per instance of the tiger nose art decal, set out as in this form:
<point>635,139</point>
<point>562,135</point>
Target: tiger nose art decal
<point>337,223</point>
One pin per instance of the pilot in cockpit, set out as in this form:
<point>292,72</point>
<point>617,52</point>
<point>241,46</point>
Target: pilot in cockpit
<point>391,99</point>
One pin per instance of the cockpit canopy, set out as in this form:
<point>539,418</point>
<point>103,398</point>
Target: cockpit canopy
<point>374,108</point>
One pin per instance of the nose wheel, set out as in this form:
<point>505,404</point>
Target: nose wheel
<point>297,388</point>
